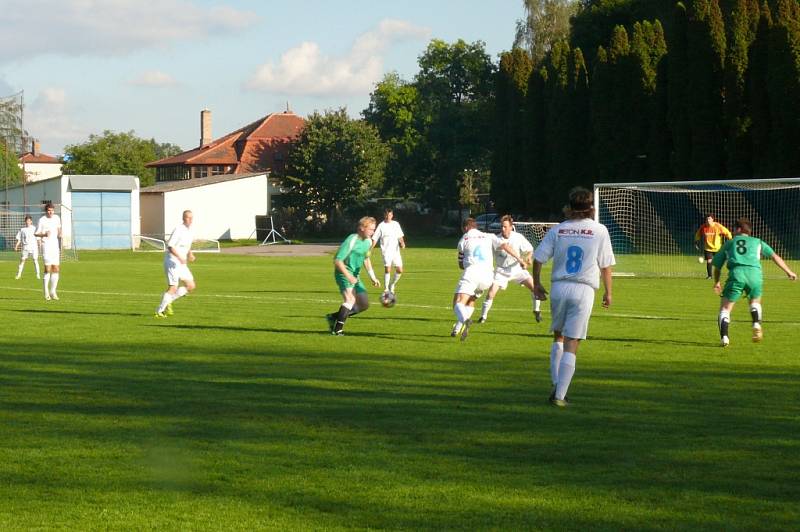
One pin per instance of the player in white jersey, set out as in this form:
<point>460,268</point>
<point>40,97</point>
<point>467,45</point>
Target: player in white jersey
<point>26,239</point>
<point>392,240</point>
<point>176,259</point>
<point>475,253</point>
<point>582,254</point>
<point>49,230</point>
<point>507,269</point>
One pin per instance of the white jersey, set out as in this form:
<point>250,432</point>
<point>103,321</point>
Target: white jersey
<point>180,241</point>
<point>389,235</point>
<point>27,238</point>
<point>49,225</point>
<point>518,243</point>
<point>579,248</point>
<point>476,248</point>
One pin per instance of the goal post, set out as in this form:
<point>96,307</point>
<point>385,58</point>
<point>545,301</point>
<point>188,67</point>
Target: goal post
<point>533,231</point>
<point>652,225</point>
<point>12,219</point>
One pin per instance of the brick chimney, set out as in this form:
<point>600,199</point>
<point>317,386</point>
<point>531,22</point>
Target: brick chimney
<point>36,148</point>
<point>205,127</point>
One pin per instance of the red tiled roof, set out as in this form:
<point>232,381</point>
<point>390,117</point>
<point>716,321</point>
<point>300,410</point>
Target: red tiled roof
<point>41,158</point>
<point>245,147</point>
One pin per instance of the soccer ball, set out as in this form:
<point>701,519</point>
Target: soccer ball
<point>701,260</point>
<point>388,299</point>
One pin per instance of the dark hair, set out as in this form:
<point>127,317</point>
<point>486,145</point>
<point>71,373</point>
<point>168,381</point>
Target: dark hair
<point>27,217</point>
<point>710,215</point>
<point>507,218</point>
<point>387,210</point>
<point>581,202</point>
<point>744,225</point>
<point>470,223</point>
<point>49,206</point>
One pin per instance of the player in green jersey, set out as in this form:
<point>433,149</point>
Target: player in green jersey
<point>352,255</point>
<point>743,254</point>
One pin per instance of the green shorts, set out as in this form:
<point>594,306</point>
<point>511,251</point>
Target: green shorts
<point>344,284</point>
<point>749,281</point>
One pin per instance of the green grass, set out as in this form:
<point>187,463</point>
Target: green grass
<point>241,412</point>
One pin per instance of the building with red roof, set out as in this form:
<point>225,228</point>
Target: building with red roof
<point>38,166</point>
<point>262,146</point>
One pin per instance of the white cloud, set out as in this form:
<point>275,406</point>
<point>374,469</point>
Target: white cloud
<point>154,79</point>
<point>48,118</point>
<point>306,70</point>
<point>108,27</point>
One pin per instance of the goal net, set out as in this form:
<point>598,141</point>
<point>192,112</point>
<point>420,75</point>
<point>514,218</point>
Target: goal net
<point>653,225</point>
<point>146,243</point>
<point>533,231</point>
<point>12,219</point>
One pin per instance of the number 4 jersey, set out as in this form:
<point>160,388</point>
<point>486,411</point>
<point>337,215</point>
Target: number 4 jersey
<point>579,248</point>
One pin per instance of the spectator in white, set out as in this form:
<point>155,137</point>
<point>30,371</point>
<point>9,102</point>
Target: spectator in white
<point>176,259</point>
<point>49,230</point>
<point>581,253</point>
<point>26,239</point>
<point>392,240</point>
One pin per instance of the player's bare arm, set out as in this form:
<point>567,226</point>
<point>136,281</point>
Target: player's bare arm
<point>402,242</point>
<point>538,289</point>
<point>190,256</point>
<point>607,277</point>
<point>508,249</point>
<point>371,272</point>
<point>717,286</point>
<point>175,254</point>
<point>783,266</point>
<point>339,265</point>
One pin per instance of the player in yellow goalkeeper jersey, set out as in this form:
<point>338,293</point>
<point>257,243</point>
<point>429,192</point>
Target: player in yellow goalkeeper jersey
<point>711,235</point>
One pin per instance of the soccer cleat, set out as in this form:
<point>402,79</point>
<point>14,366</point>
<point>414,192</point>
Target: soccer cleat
<point>331,319</point>
<point>17,277</point>
<point>560,403</point>
<point>168,311</point>
<point>47,297</point>
<point>54,296</point>
<point>465,330</point>
<point>337,333</point>
<point>456,329</point>
<point>481,320</point>
<point>538,315</point>
<point>160,314</point>
<point>758,334</point>
<point>725,342</point>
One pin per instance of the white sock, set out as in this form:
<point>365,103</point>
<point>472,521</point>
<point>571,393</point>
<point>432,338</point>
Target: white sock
<point>46,284</point>
<point>565,372</point>
<point>459,310</point>
<point>53,282</point>
<point>166,299</point>
<point>556,351</point>
<point>182,291</point>
<point>468,310</point>
<point>487,304</point>
<point>537,305</point>
<point>19,270</point>
<point>394,281</point>
<point>386,280</point>
<point>36,263</point>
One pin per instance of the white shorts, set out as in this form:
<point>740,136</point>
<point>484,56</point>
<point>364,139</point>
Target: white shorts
<point>177,272</point>
<point>30,253</point>
<point>474,281</point>
<point>51,254</point>
<point>571,306</point>
<point>392,259</point>
<point>503,276</point>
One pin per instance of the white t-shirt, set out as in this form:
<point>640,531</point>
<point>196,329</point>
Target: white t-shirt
<point>476,248</point>
<point>579,248</point>
<point>27,238</point>
<point>389,235</point>
<point>49,224</point>
<point>518,243</point>
<point>181,241</point>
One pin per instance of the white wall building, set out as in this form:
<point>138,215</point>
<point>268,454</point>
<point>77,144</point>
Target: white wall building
<point>97,211</point>
<point>38,166</point>
<point>224,206</point>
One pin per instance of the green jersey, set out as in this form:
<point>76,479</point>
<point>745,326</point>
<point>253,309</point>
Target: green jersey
<point>742,250</point>
<point>353,252</point>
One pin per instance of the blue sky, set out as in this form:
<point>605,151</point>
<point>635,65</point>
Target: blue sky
<point>151,66</point>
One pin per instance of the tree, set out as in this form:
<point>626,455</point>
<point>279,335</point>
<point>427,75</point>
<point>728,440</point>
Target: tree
<point>394,111</point>
<point>116,154</point>
<point>10,172</point>
<point>456,94</point>
<point>546,22</point>
<point>336,161</point>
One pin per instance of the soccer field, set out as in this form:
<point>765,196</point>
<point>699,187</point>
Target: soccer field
<point>242,412</point>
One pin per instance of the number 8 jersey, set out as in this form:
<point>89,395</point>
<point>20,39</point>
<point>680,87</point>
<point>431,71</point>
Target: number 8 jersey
<point>579,248</point>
